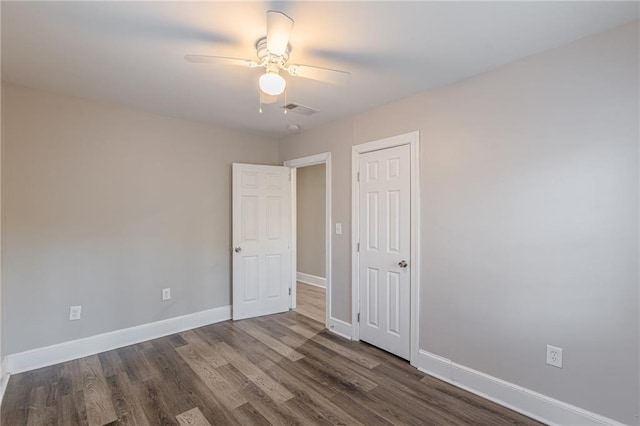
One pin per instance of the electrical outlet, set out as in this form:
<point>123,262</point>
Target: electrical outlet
<point>554,356</point>
<point>75,312</point>
<point>166,293</point>
<point>338,228</point>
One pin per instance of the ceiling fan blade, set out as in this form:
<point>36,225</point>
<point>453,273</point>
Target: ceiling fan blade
<point>279,28</point>
<point>325,75</point>
<point>221,60</point>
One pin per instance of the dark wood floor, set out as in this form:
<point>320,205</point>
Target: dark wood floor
<point>280,369</point>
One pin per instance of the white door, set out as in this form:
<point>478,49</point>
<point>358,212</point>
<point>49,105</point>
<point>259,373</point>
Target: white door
<point>384,276</point>
<point>261,240</point>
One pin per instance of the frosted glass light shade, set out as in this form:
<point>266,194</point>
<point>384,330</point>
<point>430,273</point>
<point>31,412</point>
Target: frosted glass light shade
<point>272,83</point>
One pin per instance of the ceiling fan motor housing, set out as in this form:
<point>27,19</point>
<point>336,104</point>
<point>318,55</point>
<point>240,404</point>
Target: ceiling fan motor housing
<point>265,56</point>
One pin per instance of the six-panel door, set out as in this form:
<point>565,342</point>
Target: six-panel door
<point>384,279</point>
<point>261,240</point>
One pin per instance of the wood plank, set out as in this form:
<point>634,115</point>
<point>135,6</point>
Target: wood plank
<point>192,417</point>
<point>37,411</point>
<point>152,402</point>
<point>308,414</point>
<point>181,380</point>
<point>135,364</point>
<point>269,341</point>
<point>67,414</point>
<point>403,406</point>
<point>176,340</point>
<point>272,388</point>
<point>312,381</point>
<point>385,409</point>
<point>311,301</point>
<point>230,397</point>
<point>18,397</point>
<point>358,357</point>
<point>254,350</point>
<point>335,369</point>
<point>111,363</point>
<point>72,369</point>
<point>311,398</point>
<point>96,392</point>
<point>305,321</point>
<point>365,415</point>
<point>125,401</point>
<point>204,349</point>
<point>57,387</point>
<point>277,414</point>
<point>248,415</point>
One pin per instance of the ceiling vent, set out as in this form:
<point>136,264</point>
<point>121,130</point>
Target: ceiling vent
<point>300,109</point>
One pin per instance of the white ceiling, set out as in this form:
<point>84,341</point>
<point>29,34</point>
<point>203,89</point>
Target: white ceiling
<point>132,52</point>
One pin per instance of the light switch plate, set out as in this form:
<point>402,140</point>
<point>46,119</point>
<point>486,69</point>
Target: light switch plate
<point>338,228</point>
<point>75,312</point>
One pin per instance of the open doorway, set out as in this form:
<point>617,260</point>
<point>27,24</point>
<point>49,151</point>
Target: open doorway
<point>311,253</point>
<point>310,241</point>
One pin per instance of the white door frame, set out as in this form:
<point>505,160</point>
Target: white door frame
<point>312,160</point>
<point>412,139</point>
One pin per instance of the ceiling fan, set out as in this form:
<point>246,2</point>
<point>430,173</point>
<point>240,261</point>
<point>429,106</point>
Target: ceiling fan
<point>273,52</point>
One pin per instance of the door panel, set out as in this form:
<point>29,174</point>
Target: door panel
<point>261,240</point>
<point>372,293</point>
<point>372,221</point>
<point>393,294</point>
<point>250,277</point>
<point>384,199</point>
<point>249,218</point>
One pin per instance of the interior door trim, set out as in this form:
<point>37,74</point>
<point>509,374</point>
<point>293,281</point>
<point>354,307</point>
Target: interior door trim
<point>312,160</point>
<point>413,140</point>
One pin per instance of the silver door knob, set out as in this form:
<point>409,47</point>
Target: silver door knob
<point>237,249</point>
<point>402,264</point>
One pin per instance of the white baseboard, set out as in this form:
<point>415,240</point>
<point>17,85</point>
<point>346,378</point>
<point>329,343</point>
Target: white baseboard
<point>533,404</point>
<point>339,327</point>
<point>4,378</point>
<point>67,351</point>
<point>311,279</point>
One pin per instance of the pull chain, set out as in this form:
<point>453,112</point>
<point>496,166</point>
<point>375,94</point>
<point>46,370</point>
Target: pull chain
<point>285,101</point>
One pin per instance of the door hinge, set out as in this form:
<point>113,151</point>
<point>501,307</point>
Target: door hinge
<point>358,177</point>
<point>289,291</point>
<point>358,247</point>
<point>358,316</point>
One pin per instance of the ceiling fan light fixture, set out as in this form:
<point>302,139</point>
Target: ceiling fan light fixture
<point>267,99</point>
<point>272,83</point>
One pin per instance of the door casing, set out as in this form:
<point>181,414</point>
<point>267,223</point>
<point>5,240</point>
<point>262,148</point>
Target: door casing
<point>312,160</point>
<point>413,140</point>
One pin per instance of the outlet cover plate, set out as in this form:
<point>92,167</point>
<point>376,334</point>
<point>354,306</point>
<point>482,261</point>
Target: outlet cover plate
<point>554,356</point>
<point>166,293</point>
<point>75,312</point>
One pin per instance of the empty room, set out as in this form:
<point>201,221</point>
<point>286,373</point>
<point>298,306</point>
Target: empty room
<point>320,213</point>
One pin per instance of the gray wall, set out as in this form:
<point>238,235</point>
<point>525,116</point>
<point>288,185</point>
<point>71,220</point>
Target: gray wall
<point>529,188</point>
<point>311,220</point>
<point>2,349</point>
<point>104,207</point>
